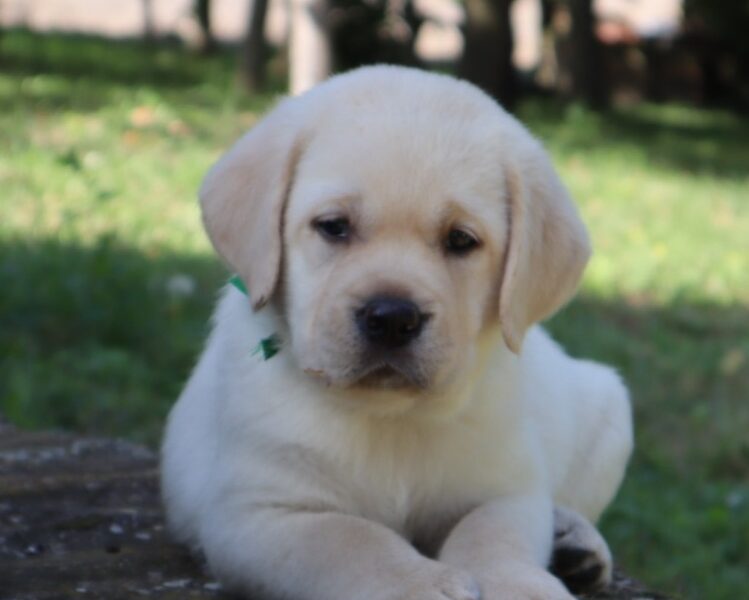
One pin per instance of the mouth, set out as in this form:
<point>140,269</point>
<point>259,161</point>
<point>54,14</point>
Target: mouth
<point>389,376</point>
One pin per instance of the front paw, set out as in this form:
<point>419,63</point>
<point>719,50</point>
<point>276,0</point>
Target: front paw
<point>524,582</point>
<point>435,581</point>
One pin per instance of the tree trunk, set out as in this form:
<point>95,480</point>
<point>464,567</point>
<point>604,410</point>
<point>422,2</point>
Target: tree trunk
<point>203,14</point>
<point>487,54</point>
<point>310,54</point>
<point>588,78</point>
<point>149,30</point>
<point>254,49</point>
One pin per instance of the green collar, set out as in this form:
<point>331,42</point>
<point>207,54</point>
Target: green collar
<point>239,284</point>
<point>269,346</point>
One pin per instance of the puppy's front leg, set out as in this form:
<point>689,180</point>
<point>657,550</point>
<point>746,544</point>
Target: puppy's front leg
<point>326,556</point>
<point>506,544</point>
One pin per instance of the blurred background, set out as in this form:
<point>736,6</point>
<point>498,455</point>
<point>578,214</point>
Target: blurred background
<point>111,112</point>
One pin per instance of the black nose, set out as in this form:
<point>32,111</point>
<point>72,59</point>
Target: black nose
<point>390,322</point>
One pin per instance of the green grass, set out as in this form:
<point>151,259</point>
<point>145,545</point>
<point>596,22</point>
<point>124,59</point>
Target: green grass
<point>107,281</point>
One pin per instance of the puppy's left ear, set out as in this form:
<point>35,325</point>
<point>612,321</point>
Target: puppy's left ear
<point>243,196</point>
<point>548,245</point>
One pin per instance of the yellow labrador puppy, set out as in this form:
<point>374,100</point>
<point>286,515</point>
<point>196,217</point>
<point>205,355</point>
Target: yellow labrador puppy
<point>399,235</point>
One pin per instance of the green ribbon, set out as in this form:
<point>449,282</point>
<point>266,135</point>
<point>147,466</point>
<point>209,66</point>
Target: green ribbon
<point>269,346</point>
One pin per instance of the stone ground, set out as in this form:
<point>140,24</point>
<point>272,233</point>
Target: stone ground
<point>81,518</point>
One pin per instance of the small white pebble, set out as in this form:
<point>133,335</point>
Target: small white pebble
<point>116,529</point>
<point>92,160</point>
<point>176,583</point>
<point>213,586</point>
<point>143,535</point>
<point>180,286</point>
<point>735,499</point>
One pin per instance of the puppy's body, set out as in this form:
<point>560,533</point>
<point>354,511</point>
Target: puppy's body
<point>301,475</point>
<point>260,433</point>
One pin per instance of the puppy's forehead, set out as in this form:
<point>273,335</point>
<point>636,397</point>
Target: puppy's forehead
<point>403,161</point>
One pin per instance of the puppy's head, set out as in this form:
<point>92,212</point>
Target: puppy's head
<point>404,217</point>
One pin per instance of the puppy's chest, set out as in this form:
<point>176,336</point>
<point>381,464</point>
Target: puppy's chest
<point>418,481</point>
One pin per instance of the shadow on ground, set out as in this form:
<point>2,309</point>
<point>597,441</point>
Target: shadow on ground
<point>705,143</point>
<point>90,72</point>
<point>99,339</point>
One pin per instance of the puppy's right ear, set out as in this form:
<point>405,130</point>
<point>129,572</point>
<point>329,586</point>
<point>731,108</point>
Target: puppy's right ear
<point>243,196</point>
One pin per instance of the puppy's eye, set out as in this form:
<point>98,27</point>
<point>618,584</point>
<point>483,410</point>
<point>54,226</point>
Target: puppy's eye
<point>459,242</point>
<point>334,229</point>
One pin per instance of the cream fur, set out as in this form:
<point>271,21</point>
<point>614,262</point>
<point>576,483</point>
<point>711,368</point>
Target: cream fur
<point>295,480</point>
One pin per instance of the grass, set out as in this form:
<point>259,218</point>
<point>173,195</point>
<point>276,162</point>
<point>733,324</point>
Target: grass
<point>107,279</point>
